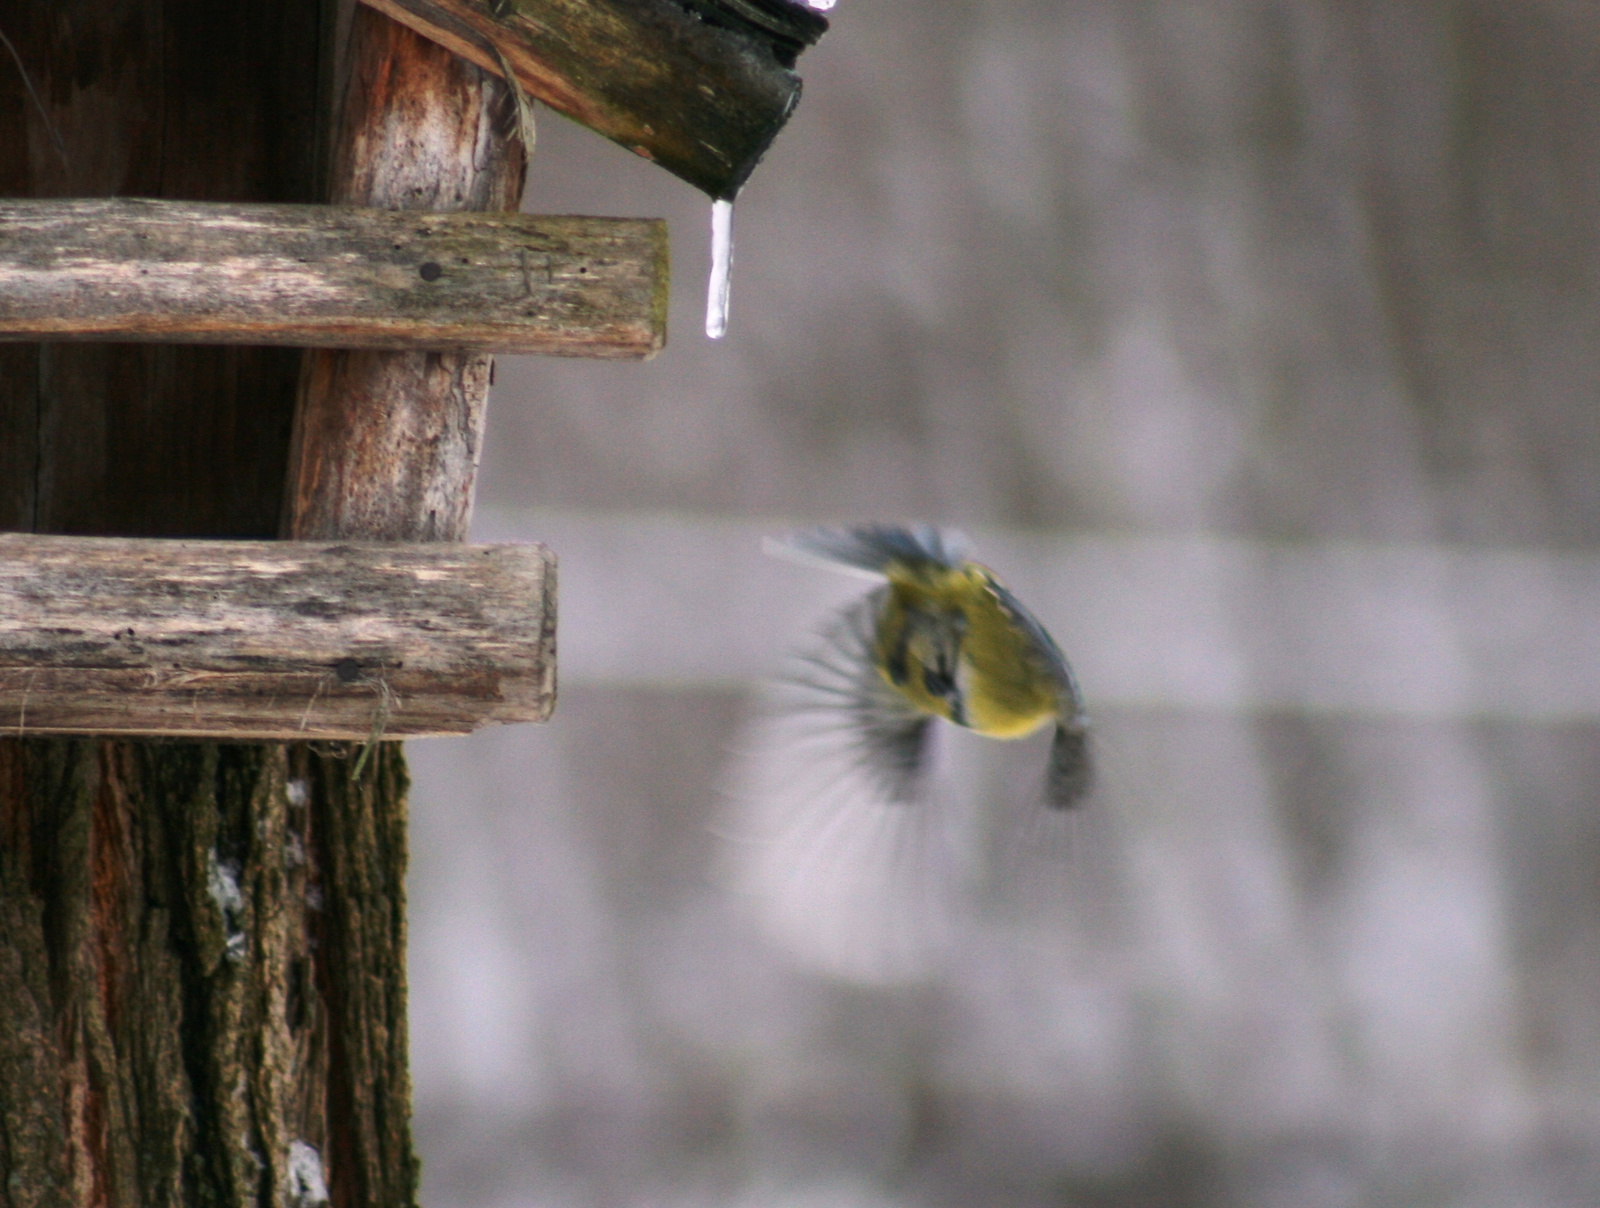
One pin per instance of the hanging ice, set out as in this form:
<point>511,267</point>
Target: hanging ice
<point>721,267</point>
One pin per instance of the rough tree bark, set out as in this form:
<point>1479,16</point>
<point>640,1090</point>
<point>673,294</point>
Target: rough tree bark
<point>202,996</point>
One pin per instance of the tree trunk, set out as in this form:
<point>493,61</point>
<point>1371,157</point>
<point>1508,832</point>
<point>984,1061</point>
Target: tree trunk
<point>187,958</point>
<point>202,979</point>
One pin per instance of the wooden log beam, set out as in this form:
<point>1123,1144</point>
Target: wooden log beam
<point>331,277</point>
<point>700,87</point>
<point>255,640</point>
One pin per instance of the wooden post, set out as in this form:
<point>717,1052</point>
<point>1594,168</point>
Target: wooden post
<point>385,448</point>
<point>386,444</point>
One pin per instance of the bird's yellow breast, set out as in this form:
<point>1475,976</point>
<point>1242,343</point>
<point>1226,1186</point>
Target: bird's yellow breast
<point>1005,687</point>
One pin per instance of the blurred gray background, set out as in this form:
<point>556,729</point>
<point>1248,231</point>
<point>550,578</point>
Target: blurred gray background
<point>1257,345</point>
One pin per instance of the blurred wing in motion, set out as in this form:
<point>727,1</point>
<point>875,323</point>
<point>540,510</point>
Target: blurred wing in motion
<point>1071,771</point>
<point>868,549</point>
<point>835,837</point>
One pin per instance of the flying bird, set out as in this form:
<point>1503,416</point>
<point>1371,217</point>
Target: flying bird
<point>844,849</point>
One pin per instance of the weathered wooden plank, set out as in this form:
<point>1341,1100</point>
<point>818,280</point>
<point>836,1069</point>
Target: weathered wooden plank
<point>272,640</point>
<point>331,276</point>
<point>702,92</point>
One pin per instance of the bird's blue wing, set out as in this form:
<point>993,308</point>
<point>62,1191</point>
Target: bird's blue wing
<point>871,547</point>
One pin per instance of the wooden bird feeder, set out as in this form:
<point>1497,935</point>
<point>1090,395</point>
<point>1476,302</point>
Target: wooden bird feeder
<point>701,87</point>
<point>202,837</point>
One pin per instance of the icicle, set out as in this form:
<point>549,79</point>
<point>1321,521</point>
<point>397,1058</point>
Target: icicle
<point>721,267</point>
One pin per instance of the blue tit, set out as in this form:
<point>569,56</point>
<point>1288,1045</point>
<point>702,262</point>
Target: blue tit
<point>854,858</point>
<point>941,638</point>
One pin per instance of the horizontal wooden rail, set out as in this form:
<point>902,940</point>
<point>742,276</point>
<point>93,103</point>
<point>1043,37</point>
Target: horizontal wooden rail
<point>701,87</point>
<point>272,639</point>
<point>331,277</point>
